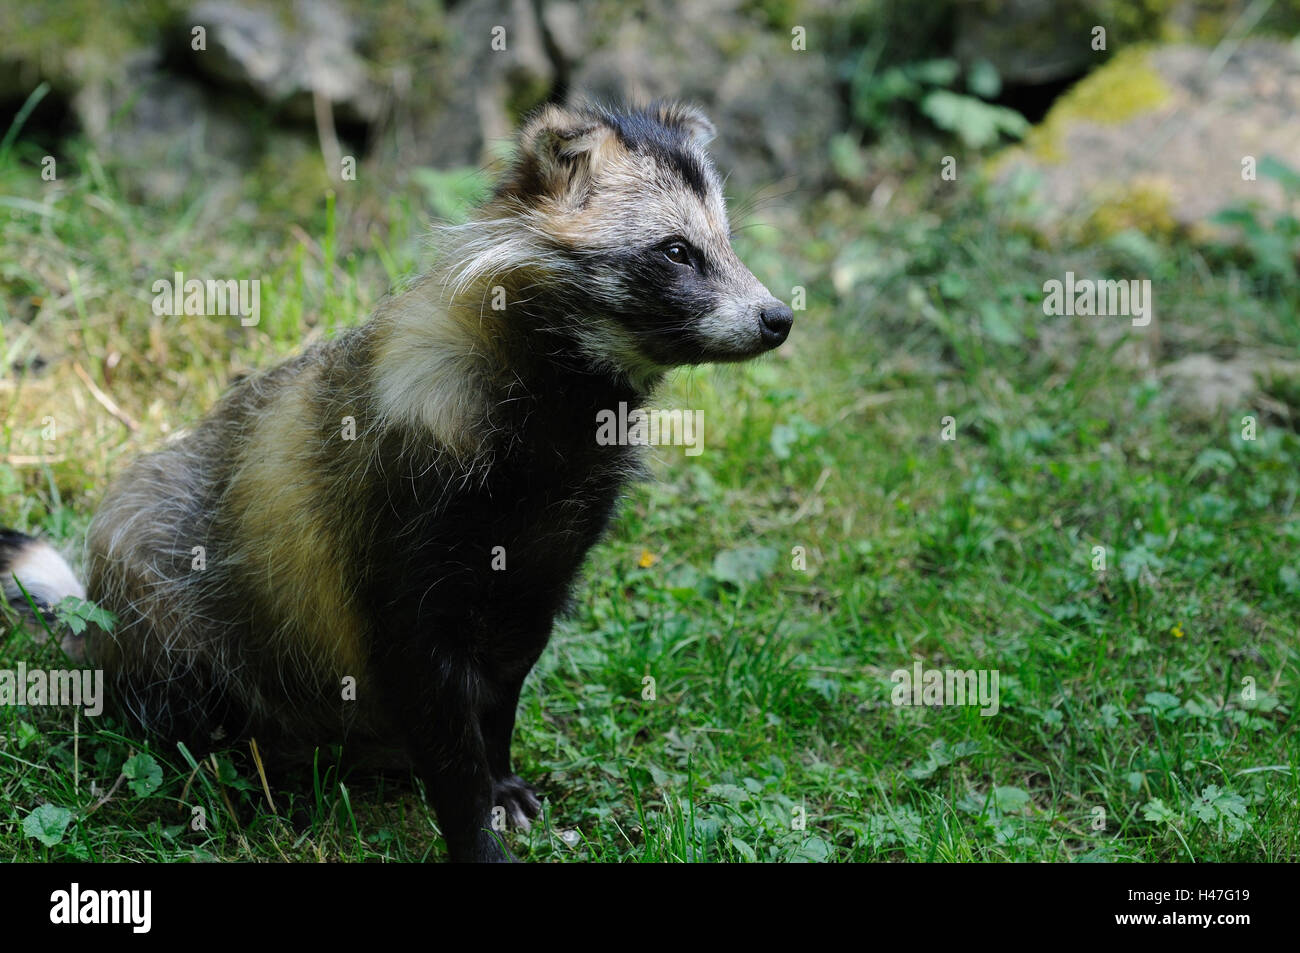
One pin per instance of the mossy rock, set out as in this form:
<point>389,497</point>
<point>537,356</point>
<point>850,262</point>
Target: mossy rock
<point>1159,139</point>
<point>1127,86</point>
<point>1144,205</point>
<point>1042,41</point>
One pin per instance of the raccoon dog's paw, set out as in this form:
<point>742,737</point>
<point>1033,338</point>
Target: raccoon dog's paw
<point>519,798</point>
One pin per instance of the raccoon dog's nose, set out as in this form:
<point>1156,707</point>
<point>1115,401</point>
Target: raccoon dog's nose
<point>776,319</point>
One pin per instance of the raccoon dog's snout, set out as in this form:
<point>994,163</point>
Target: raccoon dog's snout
<point>777,319</point>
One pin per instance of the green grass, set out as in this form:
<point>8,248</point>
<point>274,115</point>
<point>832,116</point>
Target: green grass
<point>1123,732</point>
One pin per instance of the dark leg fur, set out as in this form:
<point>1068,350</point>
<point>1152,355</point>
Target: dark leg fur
<point>453,637</point>
<point>439,706</point>
<point>509,791</point>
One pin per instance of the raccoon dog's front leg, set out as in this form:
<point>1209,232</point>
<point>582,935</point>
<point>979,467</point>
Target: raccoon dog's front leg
<point>509,791</point>
<point>439,703</point>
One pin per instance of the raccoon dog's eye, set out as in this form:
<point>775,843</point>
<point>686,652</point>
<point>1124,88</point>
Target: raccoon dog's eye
<point>677,253</point>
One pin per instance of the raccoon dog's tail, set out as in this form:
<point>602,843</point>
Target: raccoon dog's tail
<point>38,566</point>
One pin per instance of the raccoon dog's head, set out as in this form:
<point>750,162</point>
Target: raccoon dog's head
<point>625,216</point>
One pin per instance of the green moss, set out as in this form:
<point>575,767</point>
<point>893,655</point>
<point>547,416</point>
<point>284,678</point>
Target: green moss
<point>524,92</point>
<point>1208,21</point>
<point>1145,205</point>
<point>778,15</point>
<point>92,33</point>
<point>396,34</point>
<point>1127,20</point>
<point>1125,87</point>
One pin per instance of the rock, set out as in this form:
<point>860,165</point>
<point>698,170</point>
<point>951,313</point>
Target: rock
<point>286,55</point>
<point>65,47</point>
<point>1028,41</point>
<point>445,88</point>
<point>162,131</point>
<point>775,107</point>
<point>1204,387</point>
<point>1034,42</point>
<point>496,70</point>
<point>1155,139</point>
<point>563,22</point>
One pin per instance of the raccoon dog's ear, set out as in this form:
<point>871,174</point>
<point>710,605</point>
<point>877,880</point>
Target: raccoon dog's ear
<point>689,119</point>
<point>560,153</point>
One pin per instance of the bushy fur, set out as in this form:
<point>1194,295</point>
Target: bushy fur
<point>262,559</point>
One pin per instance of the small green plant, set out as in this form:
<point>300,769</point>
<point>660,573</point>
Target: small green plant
<point>1271,243</point>
<point>144,775</point>
<point>76,614</point>
<point>1222,811</point>
<point>927,86</point>
<point>47,824</point>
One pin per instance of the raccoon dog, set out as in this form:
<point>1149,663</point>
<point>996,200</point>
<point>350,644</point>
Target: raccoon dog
<point>369,543</point>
